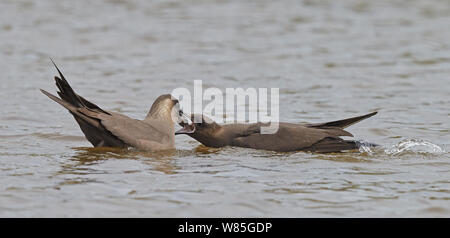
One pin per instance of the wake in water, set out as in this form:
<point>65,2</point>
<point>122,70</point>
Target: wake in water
<point>407,146</point>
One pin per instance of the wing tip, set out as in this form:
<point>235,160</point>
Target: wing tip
<point>371,114</point>
<point>59,71</point>
<point>51,96</point>
<point>43,91</point>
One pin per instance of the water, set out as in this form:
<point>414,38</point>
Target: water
<point>331,60</point>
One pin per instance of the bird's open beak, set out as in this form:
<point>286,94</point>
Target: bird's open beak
<point>187,129</point>
<point>187,124</point>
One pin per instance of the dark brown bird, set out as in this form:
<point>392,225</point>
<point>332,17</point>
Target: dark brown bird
<point>109,129</point>
<point>320,137</point>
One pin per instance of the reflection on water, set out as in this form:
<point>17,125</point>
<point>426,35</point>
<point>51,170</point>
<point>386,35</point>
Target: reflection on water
<point>160,161</point>
<point>330,60</point>
<point>201,149</point>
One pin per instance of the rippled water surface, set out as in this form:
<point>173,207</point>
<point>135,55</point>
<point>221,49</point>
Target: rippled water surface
<point>330,59</point>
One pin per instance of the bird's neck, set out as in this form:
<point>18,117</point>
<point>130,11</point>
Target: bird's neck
<point>160,113</point>
<point>215,138</point>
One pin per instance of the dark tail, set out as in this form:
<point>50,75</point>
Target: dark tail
<point>67,94</point>
<point>343,123</point>
<point>65,91</point>
<point>71,101</point>
<point>78,106</point>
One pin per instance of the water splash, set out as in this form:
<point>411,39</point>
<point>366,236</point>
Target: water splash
<point>366,147</point>
<point>414,146</point>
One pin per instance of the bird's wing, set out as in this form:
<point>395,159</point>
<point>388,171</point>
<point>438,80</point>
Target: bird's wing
<point>154,135</point>
<point>103,128</point>
<point>289,137</point>
<point>92,128</point>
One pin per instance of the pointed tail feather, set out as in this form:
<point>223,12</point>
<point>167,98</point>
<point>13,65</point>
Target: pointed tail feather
<point>68,94</point>
<point>343,123</point>
<point>62,102</point>
<point>72,109</point>
<point>65,91</point>
<point>85,113</point>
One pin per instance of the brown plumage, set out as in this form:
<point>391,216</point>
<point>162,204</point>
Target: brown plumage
<point>104,128</point>
<point>320,137</point>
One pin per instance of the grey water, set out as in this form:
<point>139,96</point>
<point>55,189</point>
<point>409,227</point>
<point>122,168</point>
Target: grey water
<point>330,59</point>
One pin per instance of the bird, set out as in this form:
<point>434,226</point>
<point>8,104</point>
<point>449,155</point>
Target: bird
<point>110,129</point>
<point>318,137</point>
